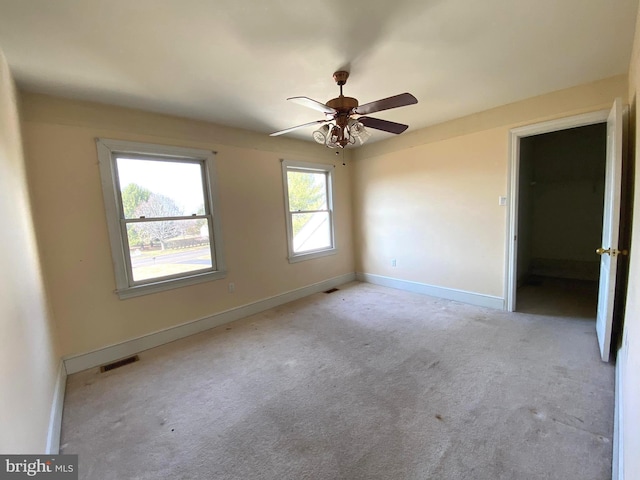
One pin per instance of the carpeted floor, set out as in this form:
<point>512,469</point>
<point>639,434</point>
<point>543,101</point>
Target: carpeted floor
<point>364,383</point>
<point>560,297</point>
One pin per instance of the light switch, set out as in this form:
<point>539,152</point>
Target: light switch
<point>502,201</point>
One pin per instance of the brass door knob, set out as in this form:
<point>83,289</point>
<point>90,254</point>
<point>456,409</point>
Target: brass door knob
<point>611,251</point>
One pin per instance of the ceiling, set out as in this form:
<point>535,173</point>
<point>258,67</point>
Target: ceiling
<point>235,62</point>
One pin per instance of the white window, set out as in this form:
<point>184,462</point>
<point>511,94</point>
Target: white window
<point>308,193</point>
<point>162,215</point>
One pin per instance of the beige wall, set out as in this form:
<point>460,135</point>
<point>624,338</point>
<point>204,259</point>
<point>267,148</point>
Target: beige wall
<point>430,199</point>
<point>29,359</point>
<point>428,208</point>
<point>70,216</point>
<point>629,355</point>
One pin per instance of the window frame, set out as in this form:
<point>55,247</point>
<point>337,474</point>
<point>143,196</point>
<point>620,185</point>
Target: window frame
<point>108,152</point>
<point>290,165</point>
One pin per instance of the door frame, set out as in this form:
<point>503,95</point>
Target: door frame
<point>515,134</point>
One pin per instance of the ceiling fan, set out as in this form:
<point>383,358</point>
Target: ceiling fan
<point>344,124</point>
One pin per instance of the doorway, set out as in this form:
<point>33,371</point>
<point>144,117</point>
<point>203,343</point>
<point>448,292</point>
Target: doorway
<point>615,219</point>
<point>560,213</point>
<point>518,136</point>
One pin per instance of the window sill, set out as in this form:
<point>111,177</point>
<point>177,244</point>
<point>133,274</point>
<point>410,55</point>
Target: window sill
<point>301,257</point>
<point>162,286</point>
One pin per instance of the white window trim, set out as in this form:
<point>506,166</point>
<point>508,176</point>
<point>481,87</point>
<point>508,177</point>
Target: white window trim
<point>312,167</point>
<point>107,150</point>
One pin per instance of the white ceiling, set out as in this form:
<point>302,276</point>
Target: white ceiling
<point>234,62</point>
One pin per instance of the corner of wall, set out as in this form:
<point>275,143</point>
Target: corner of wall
<point>28,342</point>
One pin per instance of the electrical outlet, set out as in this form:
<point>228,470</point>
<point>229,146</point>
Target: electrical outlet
<point>232,287</point>
<point>393,262</point>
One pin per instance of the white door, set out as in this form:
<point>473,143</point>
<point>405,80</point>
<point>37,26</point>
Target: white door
<point>609,249</point>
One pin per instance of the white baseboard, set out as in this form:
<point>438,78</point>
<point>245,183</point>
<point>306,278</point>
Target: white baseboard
<point>617,461</point>
<point>55,417</point>
<point>77,363</point>
<point>472,298</point>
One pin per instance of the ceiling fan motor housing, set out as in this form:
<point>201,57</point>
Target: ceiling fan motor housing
<point>343,104</point>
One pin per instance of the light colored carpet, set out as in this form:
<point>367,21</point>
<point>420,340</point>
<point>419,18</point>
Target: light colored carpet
<point>363,383</point>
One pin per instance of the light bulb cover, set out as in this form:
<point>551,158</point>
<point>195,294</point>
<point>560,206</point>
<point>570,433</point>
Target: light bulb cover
<point>320,135</point>
<point>358,131</point>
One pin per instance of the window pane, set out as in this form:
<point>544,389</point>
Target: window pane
<point>162,248</point>
<point>155,188</point>
<point>311,231</point>
<point>307,191</point>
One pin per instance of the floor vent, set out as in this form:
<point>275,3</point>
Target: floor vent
<point>331,290</point>
<point>119,363</point>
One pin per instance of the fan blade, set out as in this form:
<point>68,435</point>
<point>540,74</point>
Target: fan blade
<point>384,125</point>
<point>396,101</point>
<point>287,130</point>
<point>308,102</point>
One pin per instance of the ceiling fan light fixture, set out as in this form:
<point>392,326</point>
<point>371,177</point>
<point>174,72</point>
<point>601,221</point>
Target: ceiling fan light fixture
<point>333,138</point>
<point>357,131</point>
<point>321,134</point>
<point>364,136</point>
<point>344,122</point>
